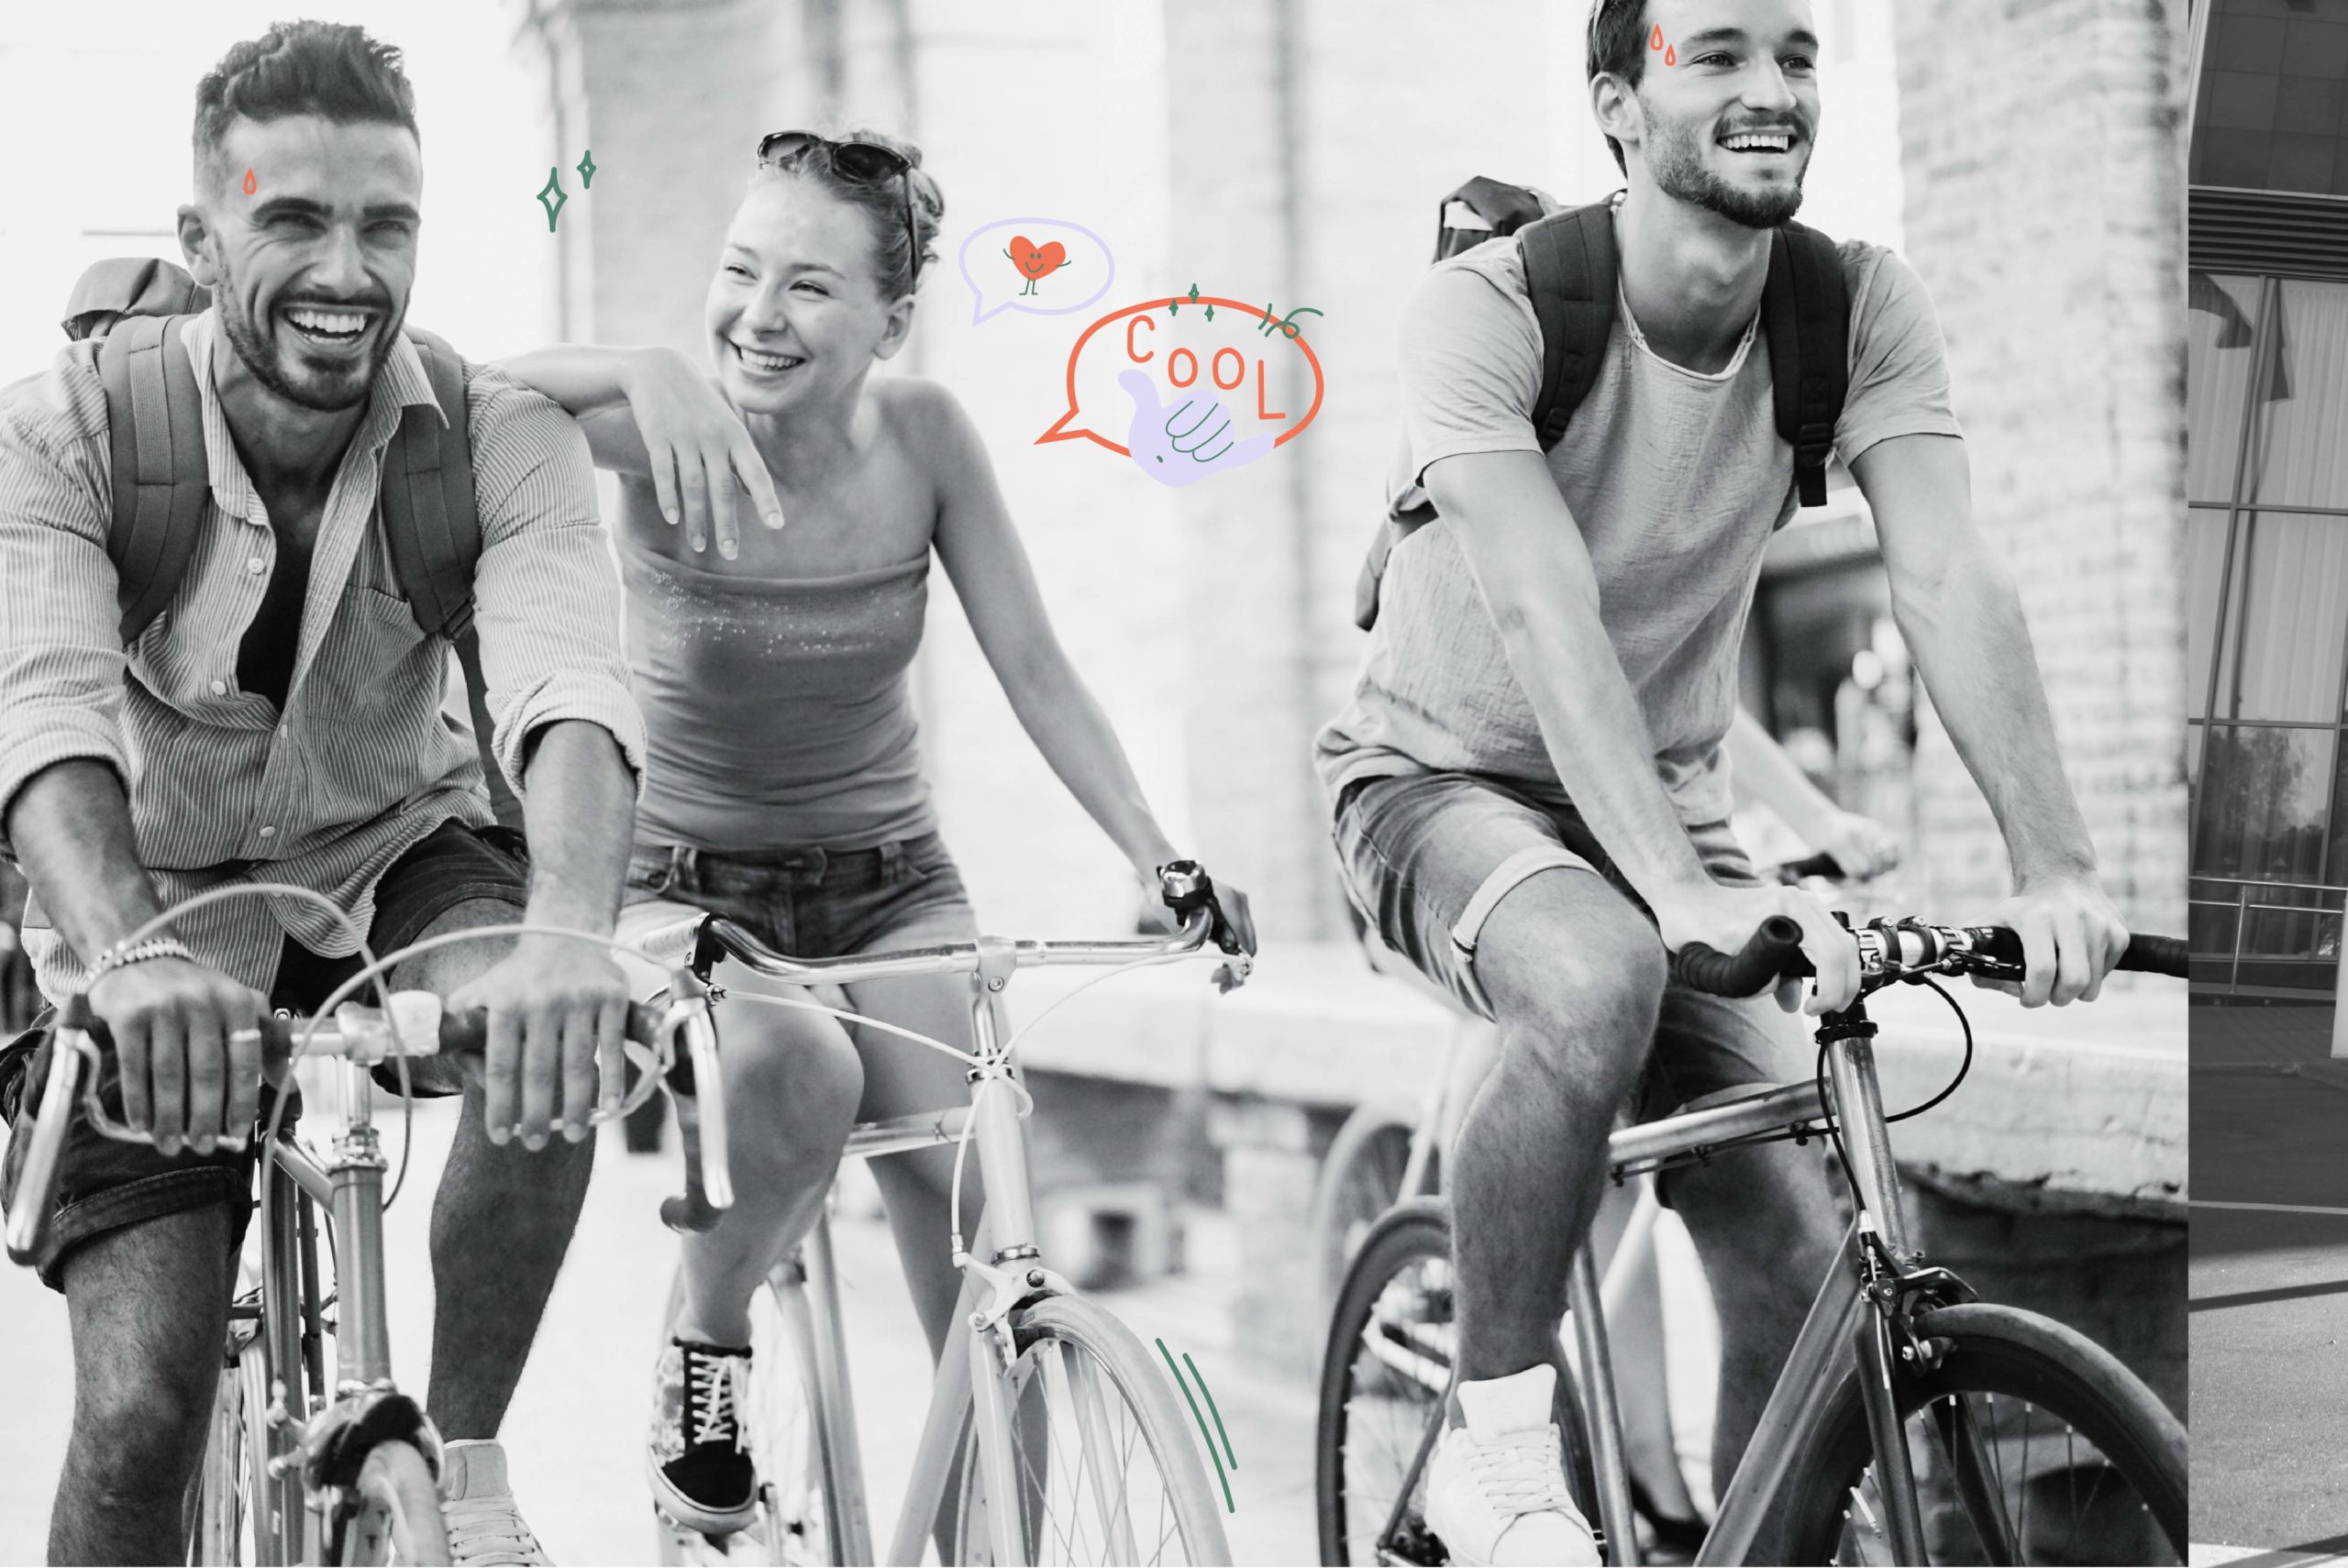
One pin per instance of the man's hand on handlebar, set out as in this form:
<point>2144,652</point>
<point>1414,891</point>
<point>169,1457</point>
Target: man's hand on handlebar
<point>2071,935</point>
<point>557,1012</point>
<point>1724,918</point>
<point>184,1074</point>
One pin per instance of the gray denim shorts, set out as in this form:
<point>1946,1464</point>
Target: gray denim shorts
<point>1427,858</point>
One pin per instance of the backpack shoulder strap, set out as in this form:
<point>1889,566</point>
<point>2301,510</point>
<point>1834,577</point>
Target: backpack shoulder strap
<point>130,285</point>
<point>1569,272</point>
<point>155,433</point>
<point>432,528</point>
<point>431,522</point>
<point>1806,306</point>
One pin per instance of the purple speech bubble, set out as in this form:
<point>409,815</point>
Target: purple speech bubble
<point>1042,230</point>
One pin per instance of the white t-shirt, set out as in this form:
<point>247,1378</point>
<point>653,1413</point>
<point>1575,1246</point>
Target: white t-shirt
<point>1677,481</point>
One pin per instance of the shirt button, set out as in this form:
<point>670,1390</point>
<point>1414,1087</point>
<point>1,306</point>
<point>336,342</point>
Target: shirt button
<point>256,566</point>
<point>269,832</point>
<point>219,688</point>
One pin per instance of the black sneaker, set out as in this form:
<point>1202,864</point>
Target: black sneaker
<point>702,1476</point>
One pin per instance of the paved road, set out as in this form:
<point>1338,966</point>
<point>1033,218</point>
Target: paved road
<point>2270,1368</point>
<point>576,1429</point>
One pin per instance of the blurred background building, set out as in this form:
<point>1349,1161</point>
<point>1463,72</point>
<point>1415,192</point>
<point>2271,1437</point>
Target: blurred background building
<point>2025,159</point>
<point>2267,606</point>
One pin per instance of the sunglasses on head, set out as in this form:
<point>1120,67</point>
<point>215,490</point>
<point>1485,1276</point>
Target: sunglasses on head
<point>863,162</point>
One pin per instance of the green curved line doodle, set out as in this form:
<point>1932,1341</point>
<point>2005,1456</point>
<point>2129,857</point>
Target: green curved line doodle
<point>1229,1506</point>
<point>1213,1411</point>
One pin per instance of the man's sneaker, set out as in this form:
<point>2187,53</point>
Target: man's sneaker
<point>1496,1486</point>
<point>477,1505</point>
<point>701,1474</point>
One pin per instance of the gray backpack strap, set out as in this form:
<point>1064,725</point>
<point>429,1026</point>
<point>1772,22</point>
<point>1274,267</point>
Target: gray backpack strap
<point>155,430</point>
<point>130,285</point>
<point>432,527</point>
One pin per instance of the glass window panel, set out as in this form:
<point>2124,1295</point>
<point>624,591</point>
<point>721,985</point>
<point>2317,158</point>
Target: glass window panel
<point>2298,458</point>
<point>2287,621</point>
<point>2263,802</point>
<point>2220,328</point>
<point>2205,564</point>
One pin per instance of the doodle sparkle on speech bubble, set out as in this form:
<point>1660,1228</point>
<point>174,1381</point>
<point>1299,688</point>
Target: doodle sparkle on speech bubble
<point>1042,230</point>
<point>1061,430</point>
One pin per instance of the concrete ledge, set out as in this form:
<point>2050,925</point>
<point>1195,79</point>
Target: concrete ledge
<point>2072,1109</point>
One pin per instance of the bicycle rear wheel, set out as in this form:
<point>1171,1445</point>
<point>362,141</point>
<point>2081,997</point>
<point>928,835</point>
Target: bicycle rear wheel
<point>398,1514</point>
<point>1383,1379</point>
<point>1361,1179</point>
<point>1103,1453</point>
<point>2031,1443</point>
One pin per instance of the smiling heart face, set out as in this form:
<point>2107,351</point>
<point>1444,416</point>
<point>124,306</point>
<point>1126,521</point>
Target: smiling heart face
<point>1034,260</point>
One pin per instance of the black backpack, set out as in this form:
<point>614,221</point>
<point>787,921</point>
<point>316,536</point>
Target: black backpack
<point>1569,272</point>
<point>135,306</point>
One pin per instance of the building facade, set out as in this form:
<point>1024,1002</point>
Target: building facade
<point>2268,536</point>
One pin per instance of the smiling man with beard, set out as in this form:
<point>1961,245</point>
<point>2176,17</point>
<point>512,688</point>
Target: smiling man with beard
<point>280,721</point>
<point>1531,800</point>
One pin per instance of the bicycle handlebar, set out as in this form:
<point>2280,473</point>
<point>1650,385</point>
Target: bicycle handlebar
<point>364,1036</point>
<point>1890,951</point>
<point>712,936</point>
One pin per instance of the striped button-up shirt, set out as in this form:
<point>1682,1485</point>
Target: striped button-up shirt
<point>364,761</point>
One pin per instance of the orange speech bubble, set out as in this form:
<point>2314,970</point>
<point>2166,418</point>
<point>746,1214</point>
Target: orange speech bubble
<point>1134,347</point>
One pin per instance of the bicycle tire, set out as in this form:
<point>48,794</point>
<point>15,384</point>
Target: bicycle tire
<point>1415,1234</point>
<point>1361,1179</point>
<point>398,1516</point>
<point>1997,1353</point>
<point>1189,1510</point>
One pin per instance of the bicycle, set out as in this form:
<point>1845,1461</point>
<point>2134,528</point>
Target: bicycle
<point>296,1468</point>
<point>1888,1339</point>
<point>1386,1150</point>
<point>1055,1400</point>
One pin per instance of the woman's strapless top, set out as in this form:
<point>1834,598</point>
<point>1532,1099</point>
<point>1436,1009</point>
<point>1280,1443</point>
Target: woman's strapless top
<point>777,712</point>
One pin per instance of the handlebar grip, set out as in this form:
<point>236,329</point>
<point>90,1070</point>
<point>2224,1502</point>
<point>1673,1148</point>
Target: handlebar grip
<point>1772,953</point>
<point>2146,955</point>
<point>2155,956</point>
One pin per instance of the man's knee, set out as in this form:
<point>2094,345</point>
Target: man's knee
<point>1595,988</point>
<point>443,969</point>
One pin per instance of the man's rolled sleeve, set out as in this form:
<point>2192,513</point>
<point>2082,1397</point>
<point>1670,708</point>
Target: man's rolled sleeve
<point>1469,351</point>
<point>547,595</point>
<point>62,658</point>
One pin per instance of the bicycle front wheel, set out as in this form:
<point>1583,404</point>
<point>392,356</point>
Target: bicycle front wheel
<point>398,1514</point>
<point>1107,1470</point>
<point>2029,1442</point>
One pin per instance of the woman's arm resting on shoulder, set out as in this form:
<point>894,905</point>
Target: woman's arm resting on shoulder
<point>992,575</point>
<point>1958,609</point>
<point>650,412</point>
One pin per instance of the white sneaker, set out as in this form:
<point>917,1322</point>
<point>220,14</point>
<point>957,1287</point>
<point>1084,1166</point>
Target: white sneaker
<point>477,1505</point>
<point>1496,1487</point>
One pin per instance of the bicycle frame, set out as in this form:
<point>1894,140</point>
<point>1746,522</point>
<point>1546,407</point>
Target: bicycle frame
<point>1001,1268</point>
<point>1878,1250</point>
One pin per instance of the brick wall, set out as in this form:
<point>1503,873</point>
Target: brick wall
<point>2045,211</point>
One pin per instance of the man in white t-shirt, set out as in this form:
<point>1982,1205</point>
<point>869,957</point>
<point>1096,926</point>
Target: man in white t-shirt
<point>1531,801</point>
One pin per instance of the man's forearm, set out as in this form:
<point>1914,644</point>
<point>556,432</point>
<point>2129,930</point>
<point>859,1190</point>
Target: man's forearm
<point>1597,742</point>
<point>1972,646</point>
<point>578,813</point>
<point>70,826</point>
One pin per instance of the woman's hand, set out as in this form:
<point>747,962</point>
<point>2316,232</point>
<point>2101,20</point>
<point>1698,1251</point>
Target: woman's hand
<point>1862,846</point>
<point>699,449</point>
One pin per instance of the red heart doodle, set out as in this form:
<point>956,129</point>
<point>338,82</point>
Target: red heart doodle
<point>1036,260</point>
